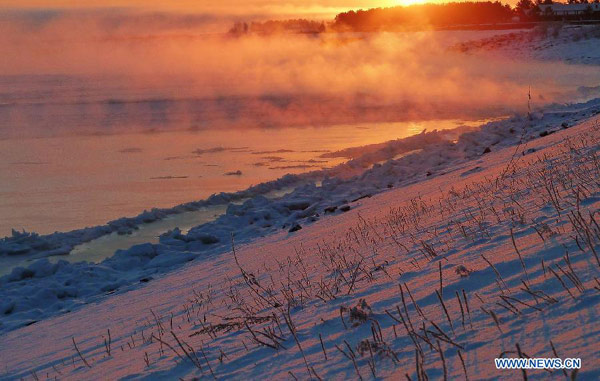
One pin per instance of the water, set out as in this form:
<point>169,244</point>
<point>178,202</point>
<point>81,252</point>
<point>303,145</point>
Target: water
<point>64,183</point>
<point>172,119</point>
<point>116,126</point>
<point>104,247</point>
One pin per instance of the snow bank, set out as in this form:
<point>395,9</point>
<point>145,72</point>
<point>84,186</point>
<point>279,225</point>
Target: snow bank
<point>45,289</point>
<point>574,44</point>
<point>516,268</point>
<point>61,243</point>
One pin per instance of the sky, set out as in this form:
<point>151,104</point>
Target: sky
<point>222,7</point>
<point>201,15</point>
<point>215,16</point>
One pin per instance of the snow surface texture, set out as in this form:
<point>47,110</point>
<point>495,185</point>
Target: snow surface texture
<point>44,289</point>
<point>345,283</point>
<point>554,42</point>
<point>469,262</point>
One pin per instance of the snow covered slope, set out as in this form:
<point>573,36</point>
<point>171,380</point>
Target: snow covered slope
<point>575,44</point>
<point>444,260</point>
<point>46,289</point>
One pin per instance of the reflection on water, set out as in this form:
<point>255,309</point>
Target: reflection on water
<point>65,183</point>
<point>104,247</point>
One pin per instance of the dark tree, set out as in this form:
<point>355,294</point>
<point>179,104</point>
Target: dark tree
<point>523,6</point>
<point>424,15</point>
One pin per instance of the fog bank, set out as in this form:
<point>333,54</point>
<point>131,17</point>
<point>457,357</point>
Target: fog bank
<point>92,71</point>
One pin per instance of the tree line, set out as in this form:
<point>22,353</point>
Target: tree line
<point>413,17</point>
<point>278,26</point>
<point>419,15</point>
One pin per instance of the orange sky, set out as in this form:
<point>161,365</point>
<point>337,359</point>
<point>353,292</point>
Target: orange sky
<point>230,7</point>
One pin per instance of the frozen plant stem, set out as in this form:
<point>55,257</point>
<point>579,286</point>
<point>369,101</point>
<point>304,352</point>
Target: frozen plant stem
<point>79,353</point>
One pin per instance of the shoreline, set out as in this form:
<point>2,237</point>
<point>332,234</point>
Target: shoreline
<point>420,258</point>
<point>255,218</point>
<point>166,293</point>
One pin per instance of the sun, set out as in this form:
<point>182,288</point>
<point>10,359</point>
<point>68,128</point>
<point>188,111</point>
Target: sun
<point>409,2</point>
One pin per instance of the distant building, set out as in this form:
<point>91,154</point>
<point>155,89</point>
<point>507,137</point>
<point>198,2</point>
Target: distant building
<point>575,9</point>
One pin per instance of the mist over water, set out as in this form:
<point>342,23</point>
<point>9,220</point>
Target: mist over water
<point>110,72</point>
<point>68,77</point>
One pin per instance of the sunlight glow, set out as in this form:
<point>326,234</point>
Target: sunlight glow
<point>411,2</point>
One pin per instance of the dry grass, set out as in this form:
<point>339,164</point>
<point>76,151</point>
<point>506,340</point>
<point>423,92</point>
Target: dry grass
<point>262,302</point>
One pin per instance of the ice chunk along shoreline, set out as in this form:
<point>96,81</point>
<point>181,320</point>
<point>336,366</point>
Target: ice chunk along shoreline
<point>45,289</point>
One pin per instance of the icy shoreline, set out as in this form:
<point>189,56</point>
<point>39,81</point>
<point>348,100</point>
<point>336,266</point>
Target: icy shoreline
<point>473,247</point>
<point>44,289</point>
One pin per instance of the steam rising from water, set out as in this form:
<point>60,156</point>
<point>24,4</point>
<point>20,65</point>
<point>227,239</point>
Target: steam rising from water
<point>89,72</point>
